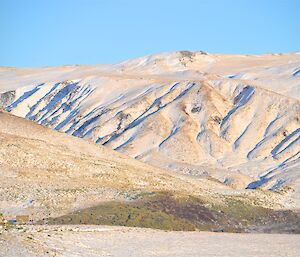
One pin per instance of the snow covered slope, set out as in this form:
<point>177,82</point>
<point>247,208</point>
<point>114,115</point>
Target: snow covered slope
<point>233,117</point>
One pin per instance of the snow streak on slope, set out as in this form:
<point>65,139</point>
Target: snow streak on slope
<point>181,111</point>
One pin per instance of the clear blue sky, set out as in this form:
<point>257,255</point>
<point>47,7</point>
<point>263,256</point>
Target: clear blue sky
<point>57,32</point>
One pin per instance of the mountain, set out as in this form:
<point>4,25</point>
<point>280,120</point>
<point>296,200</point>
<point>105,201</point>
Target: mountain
<point>234,118</point>
<point>59,179</point>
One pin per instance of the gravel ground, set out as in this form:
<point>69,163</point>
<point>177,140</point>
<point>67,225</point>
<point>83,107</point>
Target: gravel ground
<point>92,241</point>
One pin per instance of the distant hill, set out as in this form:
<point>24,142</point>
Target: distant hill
<point>234,118</point>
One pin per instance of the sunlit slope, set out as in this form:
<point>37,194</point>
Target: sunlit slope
<point>232,117</point>
<point>60,179</point>
<point>44,172</point>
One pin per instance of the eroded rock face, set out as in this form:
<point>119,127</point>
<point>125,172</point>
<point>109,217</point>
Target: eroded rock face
<point>7,98</point>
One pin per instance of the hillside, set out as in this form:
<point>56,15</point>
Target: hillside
<point>235,118</point>
<point>59,179</point>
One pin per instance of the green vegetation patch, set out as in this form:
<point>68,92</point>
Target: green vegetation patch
<point>124,214</point>
<point>163,210</point>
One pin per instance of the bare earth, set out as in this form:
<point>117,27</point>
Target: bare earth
<point>128,242</point>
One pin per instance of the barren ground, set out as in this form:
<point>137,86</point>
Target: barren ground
<point>124,242</point>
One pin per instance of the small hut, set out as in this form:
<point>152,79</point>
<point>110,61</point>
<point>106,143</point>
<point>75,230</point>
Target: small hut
<point>22,219</point>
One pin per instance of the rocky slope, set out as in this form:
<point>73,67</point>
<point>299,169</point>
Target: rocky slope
<point>234,118</point>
